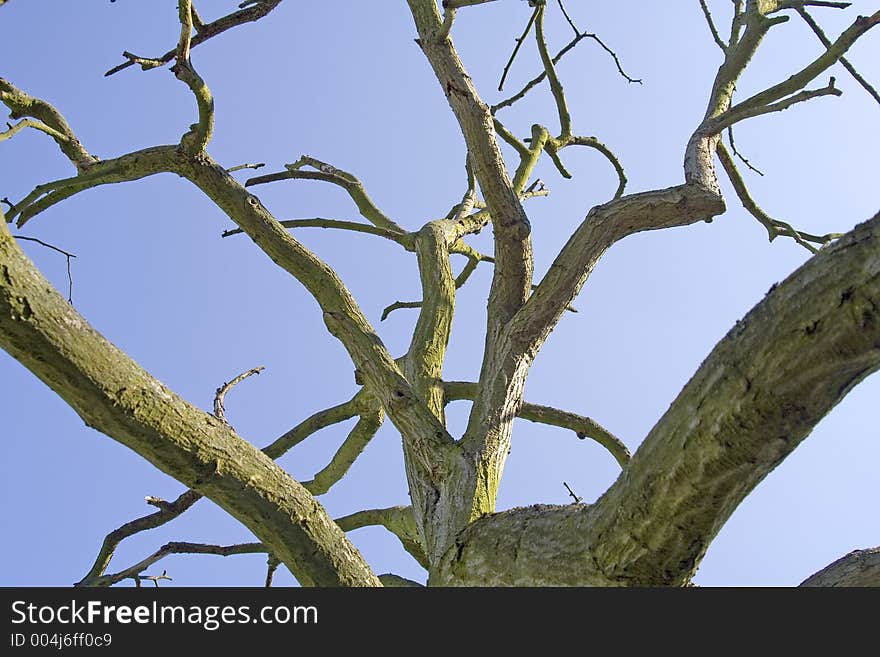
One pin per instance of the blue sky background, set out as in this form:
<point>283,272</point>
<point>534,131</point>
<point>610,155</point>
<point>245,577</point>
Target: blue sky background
<point>343,81</point>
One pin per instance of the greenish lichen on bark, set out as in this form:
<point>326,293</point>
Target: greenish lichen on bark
<point>758,394</point>
<point>115,396</point>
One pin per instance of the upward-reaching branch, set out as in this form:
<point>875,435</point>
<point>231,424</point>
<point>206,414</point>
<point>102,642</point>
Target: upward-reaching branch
<point>22,104</point>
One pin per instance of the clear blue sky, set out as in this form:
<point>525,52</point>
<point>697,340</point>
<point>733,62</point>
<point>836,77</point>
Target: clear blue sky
<point>342,81</point>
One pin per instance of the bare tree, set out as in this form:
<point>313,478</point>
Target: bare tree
<point>756,396</point>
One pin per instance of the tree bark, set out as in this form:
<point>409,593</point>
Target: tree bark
<point>759,393</point>
<point>112,394</point>
<point>858,568</point>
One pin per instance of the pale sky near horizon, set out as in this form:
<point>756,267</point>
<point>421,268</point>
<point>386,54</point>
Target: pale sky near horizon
<point>343,81</point>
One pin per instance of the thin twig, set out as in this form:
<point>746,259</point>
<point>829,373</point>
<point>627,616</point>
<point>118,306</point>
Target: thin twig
<point>63,252</point>
<point>258,165</point>
<point>134,572</point>
<point>568,18</point>
<point>205,32</point>
<point>272,566</point>
<point>738,154</point>
<point>220,393</point>
<point>577,498</point>
<point>516,48</point>
<point>397,305</point>
<point>809,20</point>
<point>774,227</point>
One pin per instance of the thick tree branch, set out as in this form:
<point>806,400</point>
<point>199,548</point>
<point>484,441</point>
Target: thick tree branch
<point>858,568</point>
<point>431,449</point>
<point>511,226</point>
<point>114,395</point>
<point>760,392</point>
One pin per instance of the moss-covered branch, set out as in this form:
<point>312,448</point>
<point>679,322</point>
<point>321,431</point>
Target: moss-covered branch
<point>200,133</point>
<point>760,392</point>
<point>22,104</point>
<point>550,69</point>
<point>858,568</point>
<point>328,173</point>
<point>583,426</point>
<point>132,166</point>
<point>399,520</point>
<point>767,100</point>
<point>312,424</point>
<point>774,227</point>
<point>114,395</point>
<point>357,440</point>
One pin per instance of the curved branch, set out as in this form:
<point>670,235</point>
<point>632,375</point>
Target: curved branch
<point>399,520</point>
<point>220,393</point>
<point>760,392</point>
<point>351,448</point>
<point>22,105</point>
<point>398,305</point>
<point>592,142</point>
<point>115,396</point>
<point>313,423</point>
<point>200,133</point>
<point>134,572</point>
<point>584,427</point>
<point>858,568</point>
<point>125,168</point>
<point>404,239</point>
<point>328,173</point>
<point>774,227</point>
<point>168,511</point>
